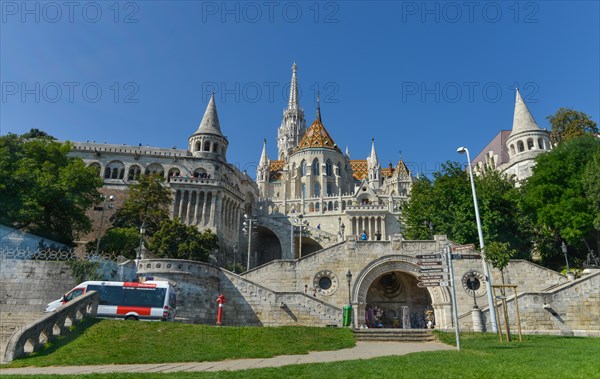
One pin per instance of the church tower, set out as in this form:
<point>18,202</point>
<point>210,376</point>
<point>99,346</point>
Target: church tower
<point>293,124</point>
<point>373,167</point>
<point>525,142</point>
<point>208,141</point>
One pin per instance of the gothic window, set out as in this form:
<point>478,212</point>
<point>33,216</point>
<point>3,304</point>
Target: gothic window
<point>317,190</point>
<point>200,173</point>
<point>315,167</point>
<point>215,147</point>
<point>339,167</point>
<point>520,146</point>
<point>114,170</point>
<point>198,146</point>
<point>134,173</point>
<point>303,190</point>
<point>303,168</point>
<point>206,146</point>
<point>540,143</point>
<point>329,168</point>
<point>155,169</point>
<point>329,190</point>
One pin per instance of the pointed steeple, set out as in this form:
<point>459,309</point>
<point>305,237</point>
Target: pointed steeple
<point>293,102</point>
<point>523,120</point>
<point>210,120</point>
<point>347,152</point>
<point>373,157</point>
<point>319,106</point>
<point>264,159</point>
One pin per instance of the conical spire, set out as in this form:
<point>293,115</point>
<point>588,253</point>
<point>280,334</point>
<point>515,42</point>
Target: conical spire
<point>373,157</point>
<point>293,102</point>
<point>264,159</point>
<point>210,120</point>
<point>523,120</point>
<point>347,151</point>
<point>319,106</point>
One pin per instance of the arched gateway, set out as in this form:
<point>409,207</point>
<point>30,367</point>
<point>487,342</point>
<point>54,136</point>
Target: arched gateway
<point>390,283</point>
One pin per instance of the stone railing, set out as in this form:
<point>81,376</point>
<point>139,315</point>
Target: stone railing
<point>35,335</point>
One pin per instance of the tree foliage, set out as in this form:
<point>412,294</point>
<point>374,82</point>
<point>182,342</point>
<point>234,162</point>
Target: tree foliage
<point>147,203</point>
<point>591,184</point>
<point>43,190</point>
<point>556,200</point>
<point>447,203</point>
<point>568,123</point>
<point>176,240</point>
<point>121,241</point>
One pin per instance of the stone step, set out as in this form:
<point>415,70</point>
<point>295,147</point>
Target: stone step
<point>401,335</point>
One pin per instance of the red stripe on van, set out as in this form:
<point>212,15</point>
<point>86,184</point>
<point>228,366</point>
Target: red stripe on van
<point>142,311</point>
<point>139,285</point>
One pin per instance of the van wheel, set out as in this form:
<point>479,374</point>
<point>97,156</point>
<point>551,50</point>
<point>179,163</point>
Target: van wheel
<point>133,318</point>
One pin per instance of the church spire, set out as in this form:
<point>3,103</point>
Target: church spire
<point>293,101</point>
<point>319,107</point>
<point>264,159</point>
<point>374,160</point>
<point>523,120</point>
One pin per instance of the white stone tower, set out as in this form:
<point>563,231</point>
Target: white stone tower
<point>208,141</point>
<point>526,141</point>
<point>293,124</point>
<point>263,171</point>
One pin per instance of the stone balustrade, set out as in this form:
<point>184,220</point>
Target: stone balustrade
<point>35,335</point>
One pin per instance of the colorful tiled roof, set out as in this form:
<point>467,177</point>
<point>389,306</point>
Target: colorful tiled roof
<point>402,168</point>
<point>317,137</point>
<point>360,169</point>
<point>277,165</point>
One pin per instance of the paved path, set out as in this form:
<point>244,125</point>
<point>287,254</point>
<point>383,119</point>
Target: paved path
<point>362,350</point>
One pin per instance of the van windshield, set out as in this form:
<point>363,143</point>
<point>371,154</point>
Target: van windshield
<point>130,296</point>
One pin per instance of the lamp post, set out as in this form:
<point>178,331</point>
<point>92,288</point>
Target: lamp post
<point>349,279</point>
<point>110,206</point>
<point>343,230</point>
<point>301,222</point>
<point>142,232</point>
<point>563,246</point>
<point>472,282</point>
<point>486,270</point>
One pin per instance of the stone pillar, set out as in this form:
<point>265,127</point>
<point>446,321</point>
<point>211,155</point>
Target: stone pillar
<point>204,210</point>
<point>476,315</point>
<point>196,208</point>
<point>188,210</point>
<point>181,203</point>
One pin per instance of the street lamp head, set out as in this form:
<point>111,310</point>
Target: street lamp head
<point>143,229</point>
<point>563,246</point>
<point>461,150</point>
<point>349,276</point>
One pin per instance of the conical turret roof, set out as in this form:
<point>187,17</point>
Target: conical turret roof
<point>317,137</point>
<point>210,120</point>
<point>523,121</point>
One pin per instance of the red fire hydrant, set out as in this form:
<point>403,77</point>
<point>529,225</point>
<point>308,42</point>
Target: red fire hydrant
<point>220,300</point>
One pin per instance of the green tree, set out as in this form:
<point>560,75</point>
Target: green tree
<point>147,203</point>
<point>122,241</point>
<point>555,199</point>
<point>591,183</point>
<point>176,240</point>
<point>43,190</point>
<point>568,123</point>
<point>447,203</point>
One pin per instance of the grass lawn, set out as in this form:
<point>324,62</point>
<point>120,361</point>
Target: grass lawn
<point>119,342</point>
<point>482,355</point>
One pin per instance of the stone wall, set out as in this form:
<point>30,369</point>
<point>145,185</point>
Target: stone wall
<point>28,285</point>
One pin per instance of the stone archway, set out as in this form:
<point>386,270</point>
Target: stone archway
<point>268,246</point>
<point>375,280</point>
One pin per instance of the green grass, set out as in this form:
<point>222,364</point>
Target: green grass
<point>482,356</point>
<point>120,342</point>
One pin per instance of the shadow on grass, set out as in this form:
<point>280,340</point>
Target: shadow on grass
<point>56,343</point>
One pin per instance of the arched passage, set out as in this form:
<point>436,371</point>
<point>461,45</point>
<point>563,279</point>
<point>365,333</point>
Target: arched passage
<point>390,283</point>
<point>309,246</point>
<point>268,247</point>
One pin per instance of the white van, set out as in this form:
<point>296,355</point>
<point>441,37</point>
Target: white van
<point>151,300</point>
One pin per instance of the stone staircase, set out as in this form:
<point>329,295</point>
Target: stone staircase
<point>10,322</point>
<point>395,335</point>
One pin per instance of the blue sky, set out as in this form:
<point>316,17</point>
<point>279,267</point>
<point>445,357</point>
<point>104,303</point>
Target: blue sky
<point>422,78</point>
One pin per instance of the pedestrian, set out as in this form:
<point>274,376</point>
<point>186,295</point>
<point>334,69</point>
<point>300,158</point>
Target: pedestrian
<point>319,226</point>
<point>305,289</point>
<point>364,236</point>
<point>315,292</point>
<point>378,236</point>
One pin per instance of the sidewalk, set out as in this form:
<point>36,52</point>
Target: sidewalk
<point>362,350</point>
